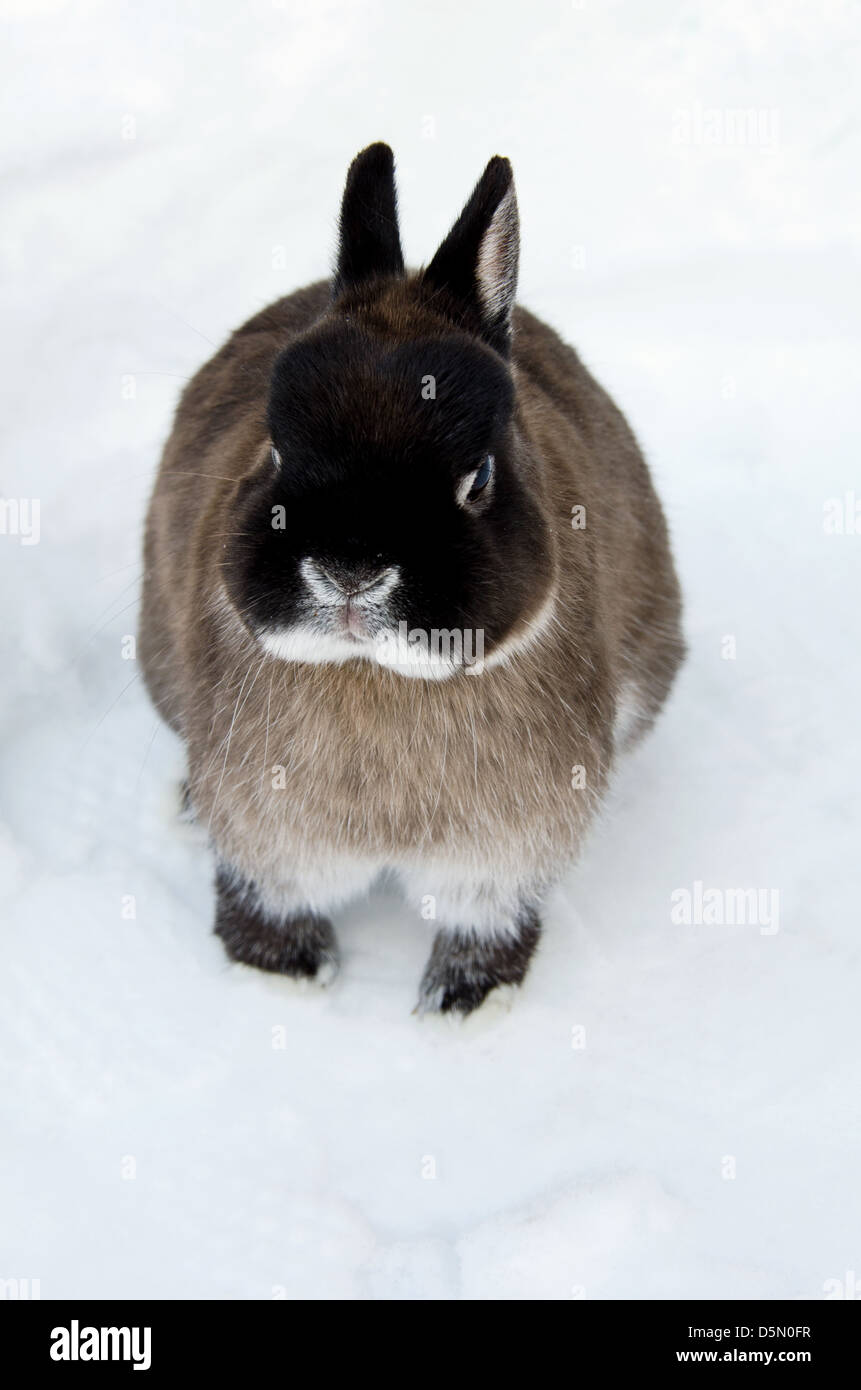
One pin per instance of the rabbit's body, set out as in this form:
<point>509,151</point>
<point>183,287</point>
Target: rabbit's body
<point>313,775</point>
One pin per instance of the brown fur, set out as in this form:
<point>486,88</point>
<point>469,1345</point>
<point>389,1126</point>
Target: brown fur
<point>474,771</point>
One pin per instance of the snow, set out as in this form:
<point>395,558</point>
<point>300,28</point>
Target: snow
<point>667,1110</point>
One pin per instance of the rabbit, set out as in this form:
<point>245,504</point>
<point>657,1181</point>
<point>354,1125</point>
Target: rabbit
<point>408,594</point>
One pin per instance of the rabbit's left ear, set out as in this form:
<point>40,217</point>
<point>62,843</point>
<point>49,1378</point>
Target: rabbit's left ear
<point>369,243</point>
<point>477,262</point>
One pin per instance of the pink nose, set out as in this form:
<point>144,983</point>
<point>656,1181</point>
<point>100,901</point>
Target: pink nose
<point>352,579</point>
<point>355,621</point>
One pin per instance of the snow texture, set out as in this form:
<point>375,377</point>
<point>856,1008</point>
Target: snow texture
<point>667,1109</point>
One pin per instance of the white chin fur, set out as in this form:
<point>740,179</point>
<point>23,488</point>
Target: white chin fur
<point>303,644</point>
<point>398,651</point>
<point>389,650</point>
<point>327,649</point>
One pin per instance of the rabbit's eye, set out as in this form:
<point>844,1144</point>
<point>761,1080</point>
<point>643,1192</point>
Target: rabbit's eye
<point>276,457</point>
<point>476,482</point>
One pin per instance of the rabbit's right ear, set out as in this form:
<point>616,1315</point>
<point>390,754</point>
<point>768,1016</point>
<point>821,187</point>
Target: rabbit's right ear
<point>370,243</point>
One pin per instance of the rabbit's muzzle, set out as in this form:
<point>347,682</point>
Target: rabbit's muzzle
<point>350,598</point>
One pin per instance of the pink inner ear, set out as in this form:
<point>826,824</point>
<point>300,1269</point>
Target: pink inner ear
<point>496,271</point>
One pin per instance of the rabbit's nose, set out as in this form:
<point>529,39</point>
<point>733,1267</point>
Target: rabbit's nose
<point>350,580</point>
<point>353,579</point>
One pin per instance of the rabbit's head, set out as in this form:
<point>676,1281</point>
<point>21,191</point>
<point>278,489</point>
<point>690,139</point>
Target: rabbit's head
<point>396,513</point>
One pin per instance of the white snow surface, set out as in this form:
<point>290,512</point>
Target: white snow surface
<point>175,1127</point>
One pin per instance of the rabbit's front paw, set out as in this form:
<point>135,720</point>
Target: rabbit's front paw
<point>452,992</point>
<point>302,945</point>
<point>464,967</point>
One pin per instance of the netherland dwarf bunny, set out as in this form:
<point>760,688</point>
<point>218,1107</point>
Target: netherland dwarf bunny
<point>408,591</point>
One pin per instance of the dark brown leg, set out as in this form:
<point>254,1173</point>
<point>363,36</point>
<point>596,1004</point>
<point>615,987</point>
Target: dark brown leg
<point>302,945</point>
<point>465,966</point>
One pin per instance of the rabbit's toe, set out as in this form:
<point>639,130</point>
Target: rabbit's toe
<point>455,996</point>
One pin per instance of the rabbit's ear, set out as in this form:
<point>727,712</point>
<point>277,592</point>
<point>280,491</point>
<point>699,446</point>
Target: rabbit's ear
<point>477,262</point>
<point>370,243</point>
